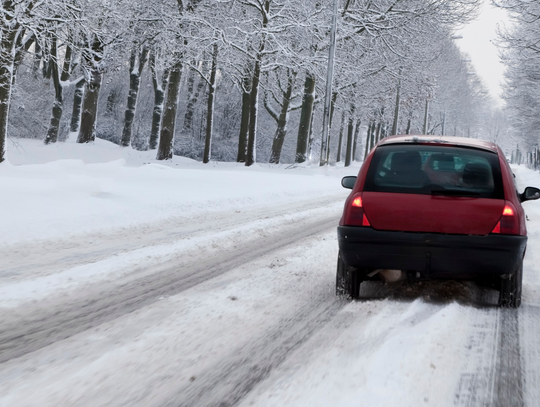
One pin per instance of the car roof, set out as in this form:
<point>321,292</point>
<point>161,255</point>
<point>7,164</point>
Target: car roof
<point>441,140</point>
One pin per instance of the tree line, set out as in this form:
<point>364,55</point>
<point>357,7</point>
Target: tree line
<point>232,79</point>
<point>520,52</point>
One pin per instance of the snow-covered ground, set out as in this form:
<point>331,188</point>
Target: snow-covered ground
<point>127,282</point>
<point>66,189</point>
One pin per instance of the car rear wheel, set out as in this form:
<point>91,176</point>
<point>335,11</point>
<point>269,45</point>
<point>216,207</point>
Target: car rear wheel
<point>510,288</point>
<point>348,279</point>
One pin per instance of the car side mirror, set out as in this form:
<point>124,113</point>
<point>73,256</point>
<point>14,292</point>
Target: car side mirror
<point>530,194</point>
<point>348,182</point>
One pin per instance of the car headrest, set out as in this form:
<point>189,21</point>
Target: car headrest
<point>406,162</point>
<point>476,174</point>
<point>442,162</point>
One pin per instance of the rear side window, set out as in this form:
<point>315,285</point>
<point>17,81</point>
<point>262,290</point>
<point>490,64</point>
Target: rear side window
<point>435,170</point>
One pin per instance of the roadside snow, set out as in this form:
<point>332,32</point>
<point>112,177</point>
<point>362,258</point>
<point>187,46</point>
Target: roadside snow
<point>530,308</point>
<point>68,189</point>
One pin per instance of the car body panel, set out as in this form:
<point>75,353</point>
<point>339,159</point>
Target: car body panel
<point>432,255</point>
<point>432,213</point>
<point>481,226</point>
<point>441,140</point>
<point>511,194</point>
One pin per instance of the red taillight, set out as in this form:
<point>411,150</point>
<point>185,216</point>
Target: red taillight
<point>507,211</point>
<point>365,221</point>
<point>508,224</point>
<point>357,217</point>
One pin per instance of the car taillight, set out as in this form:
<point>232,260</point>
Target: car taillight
<point>357,216</point>
<point>508,224</point>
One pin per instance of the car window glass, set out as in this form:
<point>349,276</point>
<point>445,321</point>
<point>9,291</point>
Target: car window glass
<point>428,169</point>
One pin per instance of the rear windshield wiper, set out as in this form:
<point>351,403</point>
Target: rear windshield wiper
<point>454,192</point>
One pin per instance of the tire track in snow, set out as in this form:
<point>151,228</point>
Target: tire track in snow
<point>493,370</point>
<point>47,326</point>
<point>230,379</point>
<point>476,383</point>
<point>25,260</point>
<point>509,380</point>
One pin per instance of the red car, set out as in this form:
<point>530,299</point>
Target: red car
<point>434,207</point>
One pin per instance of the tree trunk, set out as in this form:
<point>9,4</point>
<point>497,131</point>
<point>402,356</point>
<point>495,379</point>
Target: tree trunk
<point>408,130</point>
<point>368,136</point>
<point>190,86</point>
<point>340,141</point>
<point>190,108</point>
<point>378,134</point>
<point>244,124</point>
<point>58,79</point>
<point>426,112</point>
<point>52,133</point>
<point>372,137</point>
<point>5,93</point>
<point>77,106</point>
<point>46,67</point>
<point>165,148</point>
<point>350,133</point>
<point>37,59</point>
<point>328,140</point>
<point>311,134</point>
<point>134,83</point>
<point>355,141</point>
<point>384,131</point>
<point>210,109</point>
<point>159,96</point>
<point>7,57</point>
<point>396,111</point>
<point>168,121</point>
<point>443,126</point>
<point>254,96</point>
<point>253,109</point>
<point>305,119</point>
<point>332,107</point>
<point>87,131</point>
<point>281,131</point>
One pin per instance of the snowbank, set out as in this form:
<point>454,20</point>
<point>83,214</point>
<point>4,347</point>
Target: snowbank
<point>68,188</point>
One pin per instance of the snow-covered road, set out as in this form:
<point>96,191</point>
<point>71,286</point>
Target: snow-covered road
<point>61,298</point>
<point>237,307</point>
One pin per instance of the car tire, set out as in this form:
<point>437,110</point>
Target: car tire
<point>511,287</point>
<point>348,279</point>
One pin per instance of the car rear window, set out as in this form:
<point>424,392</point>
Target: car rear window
<point>435,170</point>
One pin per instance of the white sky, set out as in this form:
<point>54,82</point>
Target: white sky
<point>477,41</point>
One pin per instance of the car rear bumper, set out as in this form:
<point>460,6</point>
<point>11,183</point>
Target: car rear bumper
<point>432,255</point>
